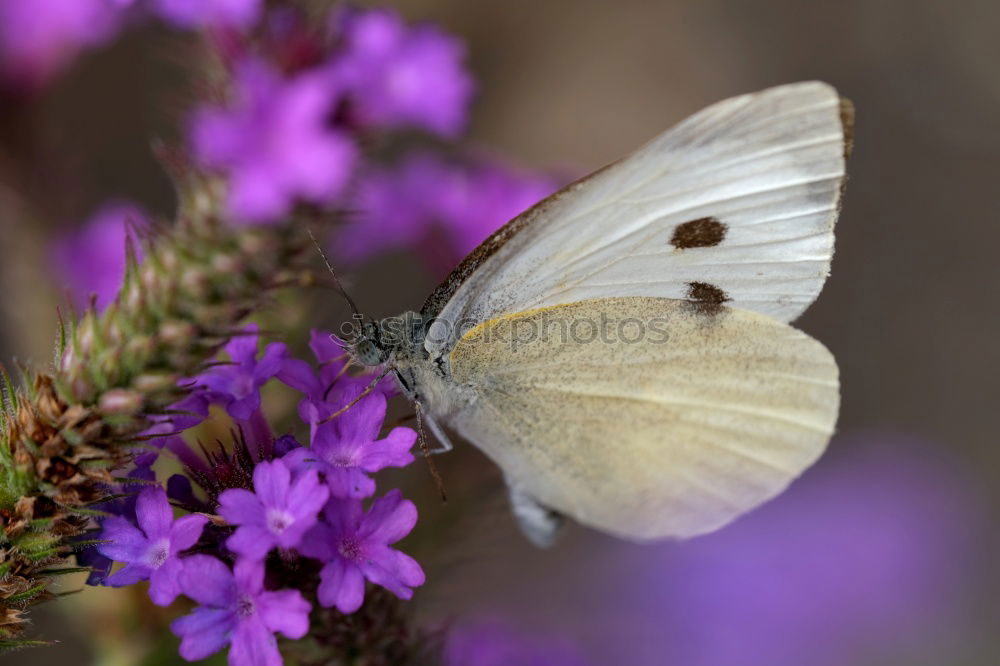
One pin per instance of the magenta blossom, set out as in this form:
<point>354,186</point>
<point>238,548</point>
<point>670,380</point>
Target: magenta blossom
<point>190,14</point>
<point>40,37</point>
<point>91,260</point>
<point>237,611</point>
<point>347,449</point>
<point>277,514</point>
<point>151,550</point>
<point>448,207</point>
<point>237,384</point>
<point>275,144</point>
<point>495,643</point>
<point>399,76</point>
<point>355,546</point>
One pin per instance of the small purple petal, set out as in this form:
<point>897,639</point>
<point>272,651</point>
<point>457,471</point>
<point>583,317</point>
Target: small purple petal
<point>300,376</point>
<point>349,482</point>
<point>272,361</point>
<point>341,585</point>
<point>393,570</point>
<point>125,543</point>
<point>389,519</point>
<point>392,451</point>
<point>204,632</point>
<point>241,507</point>
<point>185,532</point>
<point>306,497</point>
<point>130,574</point>
<point>251,541</point>
<point>285,611</point>
<point>319,543</point>
<point>154,513</point>
<point>208,581</point>
<point>253,645</point>
<point>249,576</point>
<point>271,482</point>
<point>165,584</point>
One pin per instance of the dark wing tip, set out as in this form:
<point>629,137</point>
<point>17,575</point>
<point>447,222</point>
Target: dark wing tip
<point>847,122</point>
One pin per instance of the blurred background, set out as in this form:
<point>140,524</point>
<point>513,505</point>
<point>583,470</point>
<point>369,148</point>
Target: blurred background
<point>884,552</point>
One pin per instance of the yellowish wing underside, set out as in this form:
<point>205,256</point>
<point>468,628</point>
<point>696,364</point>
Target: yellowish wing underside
<point>672,421</point>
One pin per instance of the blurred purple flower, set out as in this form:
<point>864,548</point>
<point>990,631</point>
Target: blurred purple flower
<point>347,449</point>
<point>151,550</point>
<point>399,76</point>
<point>355,546</point>
<point>237,384</point>
<point>857,561</point>
<point>236,610</point>
<point>91,260</point>
<point>406,204</point>
<point>275,143</point>
<point>494,643</point>
<point>277,514</point>
<point>191,14</point>
<point>40,37</point>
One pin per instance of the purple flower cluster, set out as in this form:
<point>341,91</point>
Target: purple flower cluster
<point>38,38</point>
<point>447,206</point>
<point>396,76</point>
<point>265,504</point>
<point>275,142</point>
<point>291,134</point>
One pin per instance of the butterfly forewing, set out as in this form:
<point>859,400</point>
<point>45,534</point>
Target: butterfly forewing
<point>741,197</point>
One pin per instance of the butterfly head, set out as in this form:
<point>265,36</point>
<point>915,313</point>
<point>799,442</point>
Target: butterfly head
<point>366,346</point>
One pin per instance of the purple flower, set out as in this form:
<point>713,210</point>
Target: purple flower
<point>478,199</point>
<point>124,507</point>
<point>401,76</point>
<point>276,143</point>
<point>355,546</point>
<point>40,37</point>
<point>91,260</point>
<point>190,14</point>
<point>347,449</point>
<point>237,385</point>
<point>330,388</point>
<point>236,610</point>
<point>494,643</point>
<point>151,550</point>
<point>277,514</point>
<point>424,197</point>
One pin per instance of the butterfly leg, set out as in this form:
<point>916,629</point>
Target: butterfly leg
<point>539,523</point>
<point>444,442</point>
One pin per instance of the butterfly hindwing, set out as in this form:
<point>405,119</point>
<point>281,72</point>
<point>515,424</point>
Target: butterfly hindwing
<point>669,423</point>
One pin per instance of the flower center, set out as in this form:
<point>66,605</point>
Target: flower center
<point>343,460</point>
<point>245,606</point>
<point>158,554</point>
<point>350,549</point>
<point>278,521</point>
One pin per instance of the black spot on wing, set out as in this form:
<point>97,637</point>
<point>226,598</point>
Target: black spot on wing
<point>703,232</point>
<point>706,298</point>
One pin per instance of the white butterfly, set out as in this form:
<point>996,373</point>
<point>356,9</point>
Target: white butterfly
<point>693,254</point>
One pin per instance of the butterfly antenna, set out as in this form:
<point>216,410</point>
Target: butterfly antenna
<point>368,389</point>
<point>336,280</point>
